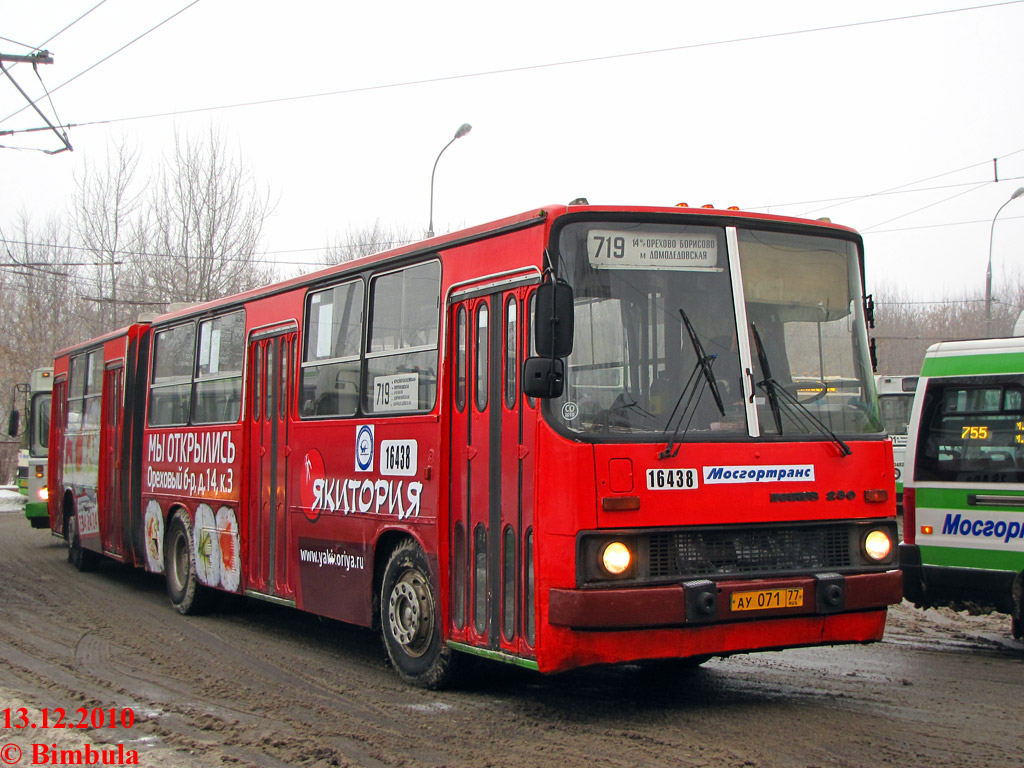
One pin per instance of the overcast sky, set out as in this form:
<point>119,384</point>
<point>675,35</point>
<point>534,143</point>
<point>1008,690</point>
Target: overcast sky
<point>884,116</point>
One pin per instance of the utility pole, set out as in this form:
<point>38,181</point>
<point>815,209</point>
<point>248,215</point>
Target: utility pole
<point>39,57</point>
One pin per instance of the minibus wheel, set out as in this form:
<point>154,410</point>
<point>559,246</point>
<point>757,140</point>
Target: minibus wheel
<point>183,585</point>
<point>410,620</point>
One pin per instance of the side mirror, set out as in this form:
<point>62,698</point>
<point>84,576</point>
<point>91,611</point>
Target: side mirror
<point>543,377</point>
<point>12,424</point>
<point>553,320</point>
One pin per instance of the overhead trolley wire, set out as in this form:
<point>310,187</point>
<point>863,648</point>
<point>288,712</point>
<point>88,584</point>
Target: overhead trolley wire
<point>767,36</point>
<point>925,207</point>
<point>61,134</point>
<point>907,188</point>
<point>111,55</point>
<point>15,42</point>
<point>527,67</point>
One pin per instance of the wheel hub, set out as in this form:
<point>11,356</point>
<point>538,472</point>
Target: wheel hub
<point>410,615</point>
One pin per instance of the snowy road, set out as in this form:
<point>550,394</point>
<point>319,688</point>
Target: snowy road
<point>255,684</point>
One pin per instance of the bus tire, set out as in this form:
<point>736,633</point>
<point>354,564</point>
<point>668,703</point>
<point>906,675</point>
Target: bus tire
<point>668,669</point>
<point>83,559</point>
<point>410,621</point>
<point>183,587</point>
<point>1017,617</point>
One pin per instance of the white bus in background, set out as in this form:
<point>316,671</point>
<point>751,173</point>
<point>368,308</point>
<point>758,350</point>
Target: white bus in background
<point>896,399</point>
<point>32,464</point>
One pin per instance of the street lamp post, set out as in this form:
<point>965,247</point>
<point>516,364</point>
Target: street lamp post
<point>463,130</point>
<point>988,273</point>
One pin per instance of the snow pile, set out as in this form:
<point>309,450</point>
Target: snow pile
<point>11,500</point>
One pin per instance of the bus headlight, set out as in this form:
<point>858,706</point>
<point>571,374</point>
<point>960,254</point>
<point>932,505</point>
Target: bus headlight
<point>44,494</point>
<point>616,558</point>
<point>877,545</point>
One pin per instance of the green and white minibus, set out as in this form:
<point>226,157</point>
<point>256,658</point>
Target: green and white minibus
<point>963,502</point>
<point>895,399</point>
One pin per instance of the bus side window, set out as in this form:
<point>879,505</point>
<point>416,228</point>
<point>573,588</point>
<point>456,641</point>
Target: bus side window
<point>170,393</point>
<point>218,378</point>
<point>329,378</point>
<point>531,345</point>
<point>93,390</point>
<point>76,389</point>
<point>460,360</point>
<point>286,366</point>
<point>257,381</point>
<point>401,359</point>
<point>511,351</point>
<point>482,345</point>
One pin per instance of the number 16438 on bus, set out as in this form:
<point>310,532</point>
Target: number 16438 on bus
<point>672,479</point>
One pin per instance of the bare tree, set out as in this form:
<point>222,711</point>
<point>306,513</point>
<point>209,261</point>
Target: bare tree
<point>365,241</point>
<point>40,301</point>
<point>107,207</point>
<point>205,220</point>
<point>905,326</point>
<point>41,306</point>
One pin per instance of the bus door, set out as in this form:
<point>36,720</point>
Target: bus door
<point>109,491</point>
<point>488,516</point>
<point>270,389</point>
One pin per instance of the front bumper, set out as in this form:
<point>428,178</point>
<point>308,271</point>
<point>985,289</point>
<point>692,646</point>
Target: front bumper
<point>38,514</point>
<point>703,602</point>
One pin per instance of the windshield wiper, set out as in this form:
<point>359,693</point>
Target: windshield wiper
<point>703,365</point>
<point>704,361</point>
<point>779,396</point>
<point>690,407</point>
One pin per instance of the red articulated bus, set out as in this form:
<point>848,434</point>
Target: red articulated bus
<point>580,435</point>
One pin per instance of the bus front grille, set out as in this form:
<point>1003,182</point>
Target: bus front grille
<point>743,551</point>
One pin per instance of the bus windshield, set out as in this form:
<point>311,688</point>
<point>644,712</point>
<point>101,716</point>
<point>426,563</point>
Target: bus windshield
<point>972,430</point>
<point>39,434</point>
<point>663,334</point>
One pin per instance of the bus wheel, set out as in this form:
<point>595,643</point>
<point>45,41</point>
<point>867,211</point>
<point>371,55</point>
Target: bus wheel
<point>669,669</point>
<point>410,622</point>
<point>1017,616</point>
<point>82,559</point>
<point>183,585</point>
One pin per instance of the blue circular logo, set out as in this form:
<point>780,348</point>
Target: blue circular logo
<point>364,448</point>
